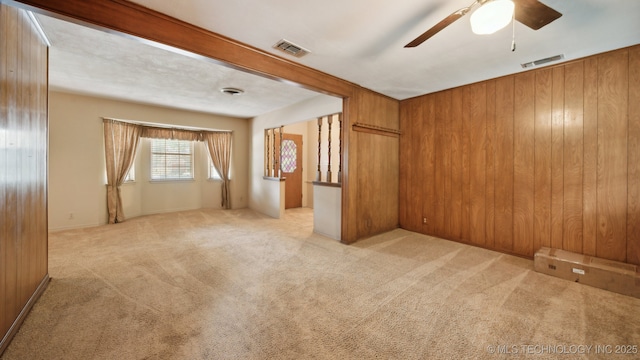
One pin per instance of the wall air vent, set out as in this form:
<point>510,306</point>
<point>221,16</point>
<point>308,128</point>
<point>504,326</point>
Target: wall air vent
<point>542,61</point>
<point>291,48</point>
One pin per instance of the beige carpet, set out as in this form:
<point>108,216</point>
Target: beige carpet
<point>211,284</point>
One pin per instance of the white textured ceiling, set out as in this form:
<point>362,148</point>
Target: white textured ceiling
<point>363,41</point>
<point>88,61</point>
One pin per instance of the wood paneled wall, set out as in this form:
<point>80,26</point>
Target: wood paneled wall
<point>548,157</point>
<point>23,168</point>
<point>373,164</point>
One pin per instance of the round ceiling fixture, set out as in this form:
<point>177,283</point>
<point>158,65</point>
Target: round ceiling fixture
<point>492,16</point>
<point>232,91</point>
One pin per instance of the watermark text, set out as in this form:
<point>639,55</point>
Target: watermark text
<point>562,349</point>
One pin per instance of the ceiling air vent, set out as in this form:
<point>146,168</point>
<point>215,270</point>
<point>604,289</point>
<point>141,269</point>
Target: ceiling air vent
<point>542,61</point>
<point>291,48</point>
<point>232,91</point>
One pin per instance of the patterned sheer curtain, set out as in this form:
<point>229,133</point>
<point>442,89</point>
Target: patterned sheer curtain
<point>120,145</point>
<point>219,145</point>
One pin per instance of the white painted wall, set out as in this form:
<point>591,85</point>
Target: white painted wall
<point>327,213</point>
<point>77,174</point>
<point>260,198</point>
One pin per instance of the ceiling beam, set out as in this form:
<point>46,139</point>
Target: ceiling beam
<point>153,27</point>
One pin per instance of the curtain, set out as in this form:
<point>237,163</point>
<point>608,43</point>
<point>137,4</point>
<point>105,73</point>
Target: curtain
<point>120,145</point>
<point>170,133</point>
<point>219,145</point>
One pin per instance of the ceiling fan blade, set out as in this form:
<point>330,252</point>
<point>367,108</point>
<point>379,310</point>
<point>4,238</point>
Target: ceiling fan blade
<point>534,14</point>
<point>439,26</point>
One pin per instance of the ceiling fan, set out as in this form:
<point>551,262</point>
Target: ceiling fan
<point>531,13</point>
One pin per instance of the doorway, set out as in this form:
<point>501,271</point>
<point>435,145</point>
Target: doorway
<point>291,165</point>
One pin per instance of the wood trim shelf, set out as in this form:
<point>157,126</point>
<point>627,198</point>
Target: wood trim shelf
<point>376,130</point>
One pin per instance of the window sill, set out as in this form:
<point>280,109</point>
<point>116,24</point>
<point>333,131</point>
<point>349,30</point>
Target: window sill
<point>160,181</point>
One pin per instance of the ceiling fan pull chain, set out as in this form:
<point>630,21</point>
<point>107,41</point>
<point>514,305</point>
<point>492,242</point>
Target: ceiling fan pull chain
<point>513,26</point>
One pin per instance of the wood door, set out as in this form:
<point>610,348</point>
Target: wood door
<point>291,165</point>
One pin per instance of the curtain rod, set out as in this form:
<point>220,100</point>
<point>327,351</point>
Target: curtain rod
<point>165,126</point>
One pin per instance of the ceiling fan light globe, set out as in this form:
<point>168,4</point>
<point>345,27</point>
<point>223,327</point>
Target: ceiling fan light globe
<point>492,16</point>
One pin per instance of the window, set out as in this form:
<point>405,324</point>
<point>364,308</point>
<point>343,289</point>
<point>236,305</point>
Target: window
<point>171,159</point>
<point>213,173</point>
<point>131,175</point>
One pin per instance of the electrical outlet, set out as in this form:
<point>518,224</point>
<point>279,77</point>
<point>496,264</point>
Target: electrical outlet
<point>424,220</point>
